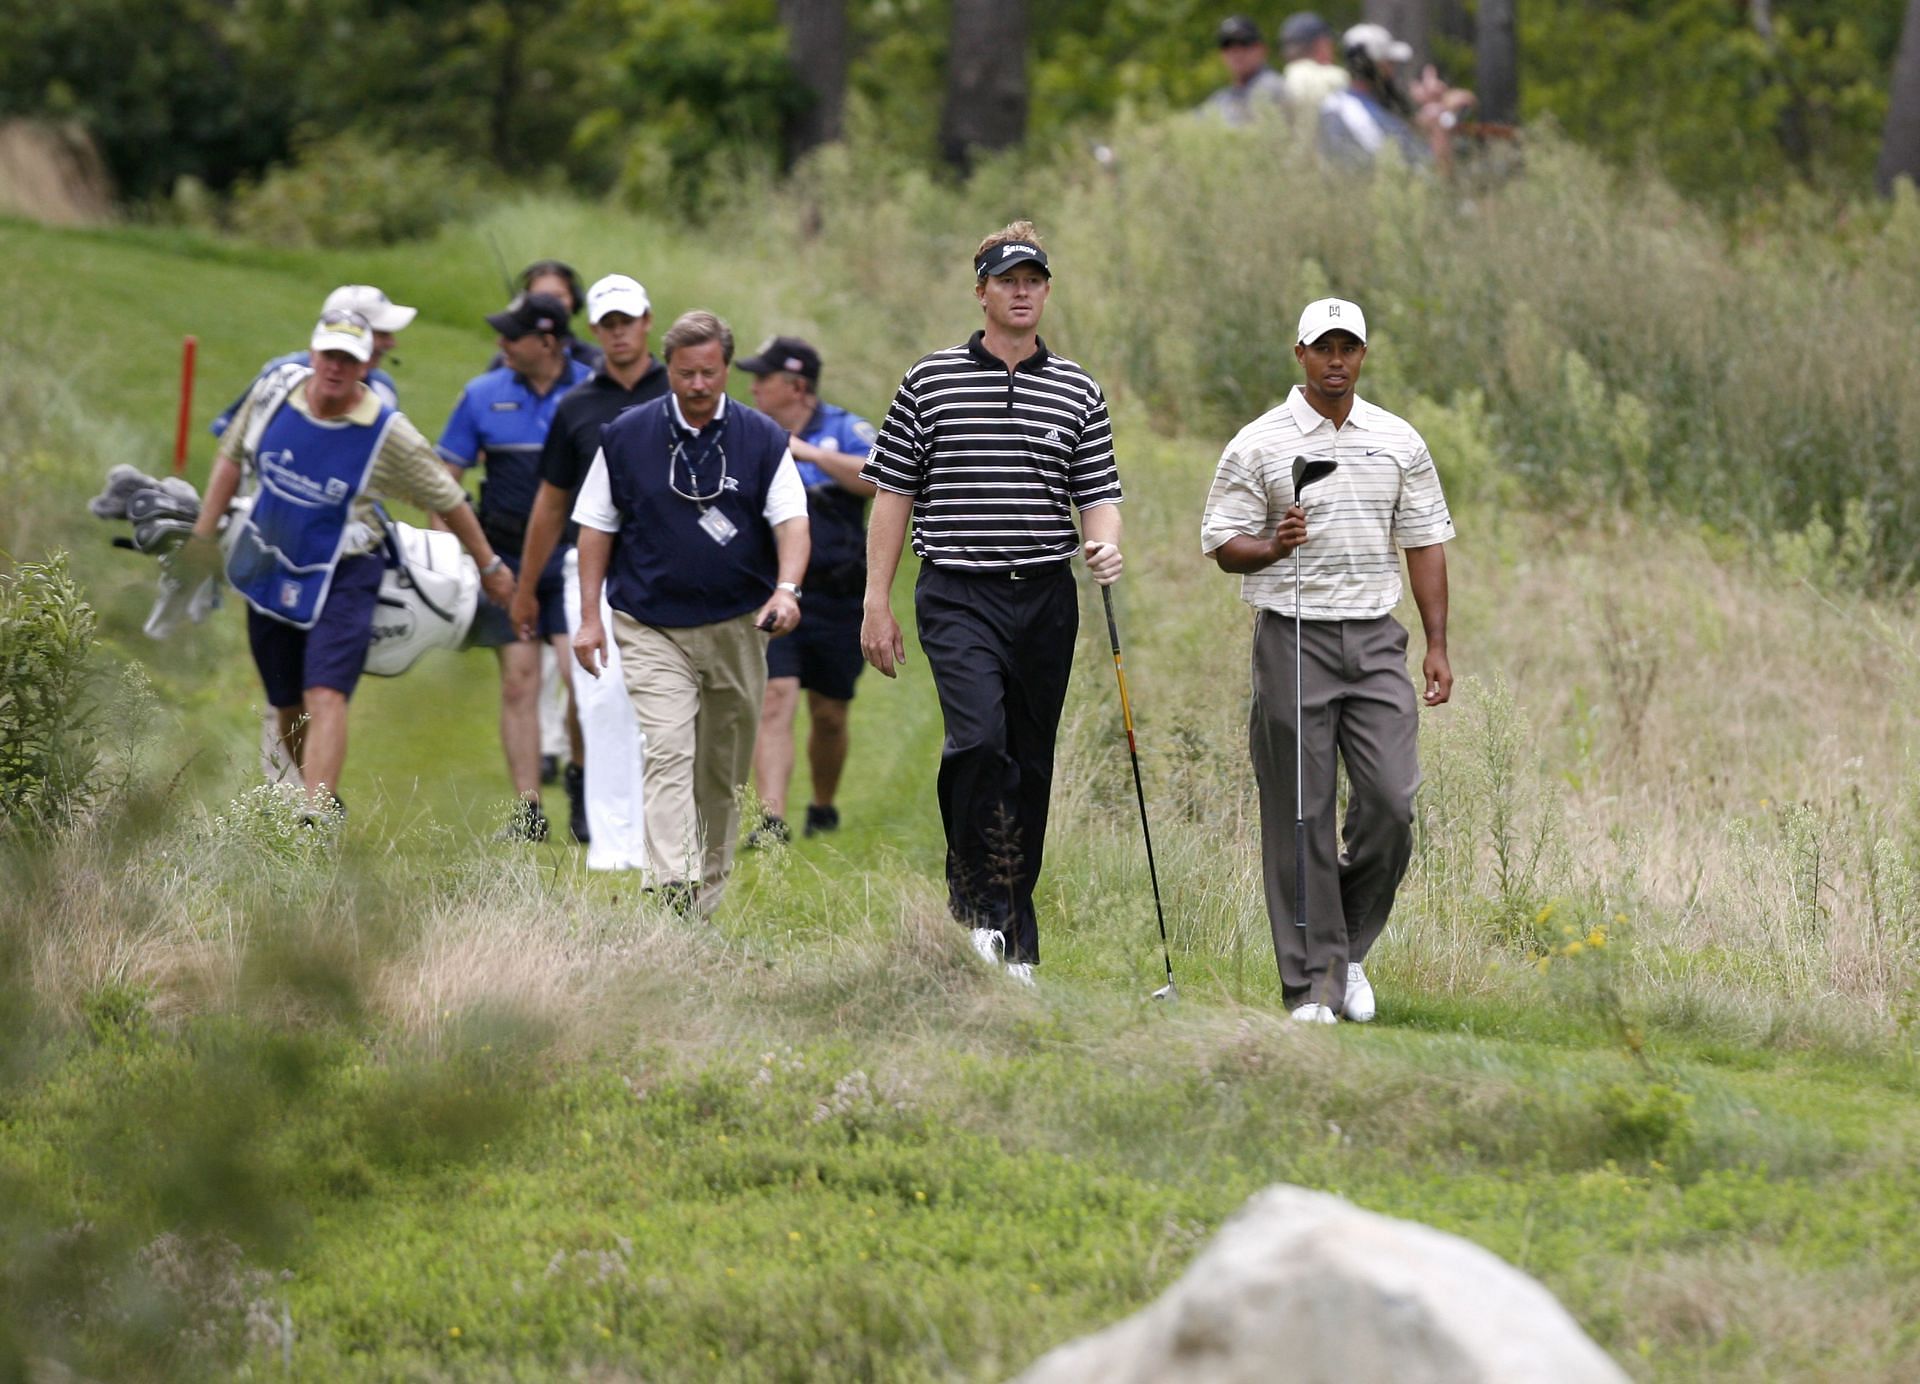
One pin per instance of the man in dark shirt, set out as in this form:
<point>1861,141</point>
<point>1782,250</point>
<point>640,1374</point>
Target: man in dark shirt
<point>604,794</point>
<point>829,445</point>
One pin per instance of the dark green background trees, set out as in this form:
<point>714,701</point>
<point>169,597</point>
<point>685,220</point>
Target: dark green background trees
<point>638,96</point>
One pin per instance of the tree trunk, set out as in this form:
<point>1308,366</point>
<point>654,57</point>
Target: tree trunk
<point>1409,21</point>
<point>1497,63</point>
<point>1900,145</point>
<point>1452,20</point>
<point>986,79</point>
<point>817,50</point>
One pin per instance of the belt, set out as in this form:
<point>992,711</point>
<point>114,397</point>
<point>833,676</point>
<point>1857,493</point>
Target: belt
<point>1035,573</point>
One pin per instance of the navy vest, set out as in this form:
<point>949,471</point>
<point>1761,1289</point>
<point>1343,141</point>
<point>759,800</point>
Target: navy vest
<point>284,557</point>
<point>666,569</point>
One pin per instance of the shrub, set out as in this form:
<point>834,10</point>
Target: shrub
<point>347,190</point>
<point>48,722</point>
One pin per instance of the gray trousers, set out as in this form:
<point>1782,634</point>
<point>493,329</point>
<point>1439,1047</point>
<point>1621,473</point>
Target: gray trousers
<point>1357,701</point>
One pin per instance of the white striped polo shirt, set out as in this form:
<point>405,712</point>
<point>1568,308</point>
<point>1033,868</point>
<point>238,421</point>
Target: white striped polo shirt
<point>1383,495</point>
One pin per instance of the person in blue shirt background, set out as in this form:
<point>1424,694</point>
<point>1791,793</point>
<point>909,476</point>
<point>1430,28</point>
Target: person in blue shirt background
<point>823,655</point>
<point>387,318</point>
<point>501,422</point>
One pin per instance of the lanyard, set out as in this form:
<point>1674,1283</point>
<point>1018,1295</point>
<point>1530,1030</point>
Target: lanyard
<point>678,457</point>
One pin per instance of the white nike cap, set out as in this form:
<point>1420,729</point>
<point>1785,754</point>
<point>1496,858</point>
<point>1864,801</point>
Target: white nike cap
<point>617,293</point>
<point>1331,315</point>
<point>381,312</point>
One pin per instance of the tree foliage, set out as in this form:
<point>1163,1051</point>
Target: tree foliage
<point>649,97</point>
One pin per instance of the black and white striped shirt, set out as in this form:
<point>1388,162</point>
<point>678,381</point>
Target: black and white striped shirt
<point>996,460</point>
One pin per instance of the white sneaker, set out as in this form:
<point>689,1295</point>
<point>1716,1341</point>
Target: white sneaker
<point>989,943</point>
<point>1021,972</point>
<point>1311,1013</point>
<point>1359,1005</point>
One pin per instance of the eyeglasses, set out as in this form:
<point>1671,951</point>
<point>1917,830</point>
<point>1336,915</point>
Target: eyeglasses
<point>678,457</point>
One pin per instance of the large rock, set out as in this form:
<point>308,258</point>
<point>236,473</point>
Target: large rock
<point>1304,1287</point>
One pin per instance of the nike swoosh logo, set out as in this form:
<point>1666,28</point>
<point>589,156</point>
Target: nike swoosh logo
<point>1376,451</point>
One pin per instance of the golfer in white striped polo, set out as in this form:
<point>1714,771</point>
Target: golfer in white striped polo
<point>1356,698</point>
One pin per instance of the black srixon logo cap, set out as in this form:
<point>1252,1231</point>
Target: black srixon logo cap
<point>998,259</point>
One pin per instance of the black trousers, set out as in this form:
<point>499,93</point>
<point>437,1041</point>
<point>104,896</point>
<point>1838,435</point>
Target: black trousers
<point>1001,652</point>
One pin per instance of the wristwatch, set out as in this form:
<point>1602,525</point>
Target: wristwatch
<point>494,566</point>
<point>789,586</point>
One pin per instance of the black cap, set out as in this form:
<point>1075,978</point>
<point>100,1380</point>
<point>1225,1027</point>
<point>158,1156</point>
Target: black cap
<point>1303,28</point>
<point>784,353</point>
<point>529,313</point>
<point>1237,29</point>
<point>998,259</point>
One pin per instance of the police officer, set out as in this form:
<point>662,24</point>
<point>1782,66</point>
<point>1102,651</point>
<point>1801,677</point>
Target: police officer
<point>829,446</point>
<point>501,422</point>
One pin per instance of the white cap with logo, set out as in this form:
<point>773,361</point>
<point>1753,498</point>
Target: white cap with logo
<point>341,330</point>
<point>1377,43</point>
<point>617,293</point>
<point>1331,315</point>
<point>381,312</point>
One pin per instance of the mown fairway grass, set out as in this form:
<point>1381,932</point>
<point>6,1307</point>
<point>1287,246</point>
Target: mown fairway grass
<point>470,1114</point>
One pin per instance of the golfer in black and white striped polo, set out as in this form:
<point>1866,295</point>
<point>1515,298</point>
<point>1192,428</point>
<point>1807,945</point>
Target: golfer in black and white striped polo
<point>988,449</point>
<point>1356,699</point>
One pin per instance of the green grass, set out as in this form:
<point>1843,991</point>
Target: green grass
<point>474,1114</point>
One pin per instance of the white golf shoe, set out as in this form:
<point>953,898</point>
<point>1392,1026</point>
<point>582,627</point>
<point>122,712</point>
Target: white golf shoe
<point>1021,972</point>
<point>1359,1005</point>
<point>989,943</point>
<point>1311,1013</point>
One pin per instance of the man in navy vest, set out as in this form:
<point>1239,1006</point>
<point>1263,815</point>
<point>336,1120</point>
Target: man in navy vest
<point>694,520</point>
<point>501,420</point>
<point>323,447</point>
<point>823,656</point>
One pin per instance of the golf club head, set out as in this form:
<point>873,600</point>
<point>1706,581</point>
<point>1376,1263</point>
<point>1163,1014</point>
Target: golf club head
<point>1166,992</point>
<point>1307,470</point>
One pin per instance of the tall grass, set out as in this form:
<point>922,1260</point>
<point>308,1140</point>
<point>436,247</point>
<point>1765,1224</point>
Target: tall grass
<point>1627,347</point>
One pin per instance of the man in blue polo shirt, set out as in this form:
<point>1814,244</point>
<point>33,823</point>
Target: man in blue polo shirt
<point>694,520</point>
<point>501,421</point>
<point>387,319</point>
<point>823,655</point>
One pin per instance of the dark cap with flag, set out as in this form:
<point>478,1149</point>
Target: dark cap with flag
<point>784,353</point>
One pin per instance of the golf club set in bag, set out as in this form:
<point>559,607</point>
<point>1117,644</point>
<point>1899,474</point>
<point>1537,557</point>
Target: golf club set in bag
<point>428,593</point>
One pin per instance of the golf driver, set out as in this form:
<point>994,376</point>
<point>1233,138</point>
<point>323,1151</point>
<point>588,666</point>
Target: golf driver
<point>1165,992</point>
<point>1305,472</point>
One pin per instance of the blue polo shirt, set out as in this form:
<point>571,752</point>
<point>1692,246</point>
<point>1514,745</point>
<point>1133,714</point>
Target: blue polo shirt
<point>378,380</point>
<point>500,418</point>
<point>836,515</point>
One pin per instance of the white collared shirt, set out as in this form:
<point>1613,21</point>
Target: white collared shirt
<point>593,506</point>
<point>1383,495</point>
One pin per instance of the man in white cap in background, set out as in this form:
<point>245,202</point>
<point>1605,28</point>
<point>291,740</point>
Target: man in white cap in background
<point>1376,109</point>
<point>386,317</point>
<point>322,447</point>
<point>603,795</point>
<point>1355,697</point>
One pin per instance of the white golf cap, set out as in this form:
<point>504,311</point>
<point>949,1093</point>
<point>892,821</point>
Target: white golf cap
<point>381,312</point>
<point>1376,43</point>
<point>341,330</point>
<point>617,293</point>
<point>1329,315</point>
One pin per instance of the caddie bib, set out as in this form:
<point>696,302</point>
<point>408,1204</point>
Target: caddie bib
<point>310,472</point>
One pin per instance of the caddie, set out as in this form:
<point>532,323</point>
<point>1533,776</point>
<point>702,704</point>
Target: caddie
<point>322,447</point>
<point>1357,702</point>
<point>387,318</point>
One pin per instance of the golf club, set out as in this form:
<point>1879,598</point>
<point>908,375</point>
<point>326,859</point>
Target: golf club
<point>1305,472</point>
<point>1165,992</point>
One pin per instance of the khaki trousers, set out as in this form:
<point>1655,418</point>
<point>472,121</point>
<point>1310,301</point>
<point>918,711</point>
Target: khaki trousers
<point>696,692</point>
<point>1357,702</point>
